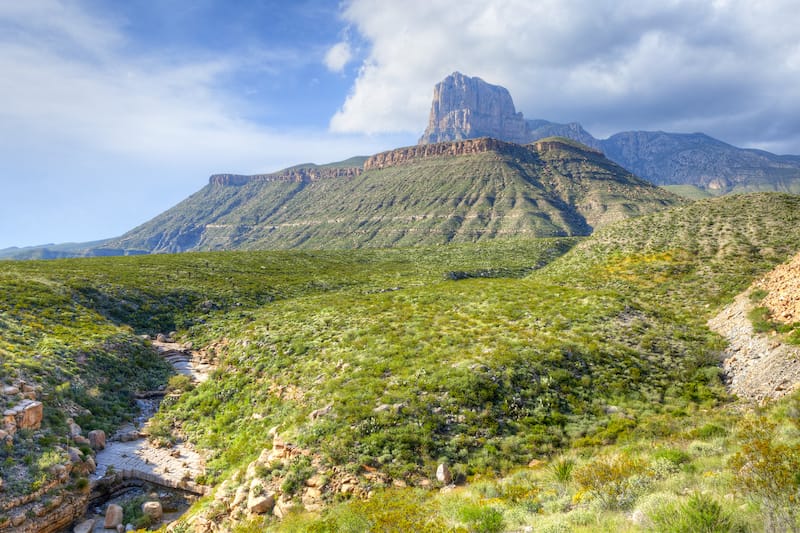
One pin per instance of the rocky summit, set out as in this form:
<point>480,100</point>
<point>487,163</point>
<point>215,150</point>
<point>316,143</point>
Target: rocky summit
<point>465,107</point>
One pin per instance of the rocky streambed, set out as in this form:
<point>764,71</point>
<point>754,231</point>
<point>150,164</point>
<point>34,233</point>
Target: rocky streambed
<point>133,470</point>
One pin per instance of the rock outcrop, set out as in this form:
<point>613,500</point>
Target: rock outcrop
<point>757,367</point>
<point>412,154</point>
<point>300,174</point>
<point>466,108</point>
<point>782,286</point>
<point>27,414</point>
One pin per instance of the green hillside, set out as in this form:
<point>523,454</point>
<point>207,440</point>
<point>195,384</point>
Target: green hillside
<point>553,188</point>
<point>588,355</point>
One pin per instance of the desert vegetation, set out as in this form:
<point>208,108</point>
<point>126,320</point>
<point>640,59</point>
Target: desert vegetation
<point>569,384</point>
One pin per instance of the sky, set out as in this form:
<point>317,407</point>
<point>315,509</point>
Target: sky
<point>113,111</point>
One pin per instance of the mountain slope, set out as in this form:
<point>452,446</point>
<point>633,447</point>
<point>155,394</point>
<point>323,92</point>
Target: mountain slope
<point>465,107</point>
<point>449,192</point>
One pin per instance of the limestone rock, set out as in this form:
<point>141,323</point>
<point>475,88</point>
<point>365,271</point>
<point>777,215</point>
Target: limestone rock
<point>29,414</point>
<point>18,518</point>
<point>260,504</point>
<point>75,455</point>
<point>319,413</point>
<point>467,108</point>
<point>240,496</point>
<point>74,429</point>
<point>113,516</point>
<point>282,507</point>
<point>443,474</point>
<point>97,439</point>
<point>153,510</point>
<point>87,526</point>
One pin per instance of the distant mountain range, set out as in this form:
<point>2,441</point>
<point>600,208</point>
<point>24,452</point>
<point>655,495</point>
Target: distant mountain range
<point>480,171</point>
<point>466,107</point>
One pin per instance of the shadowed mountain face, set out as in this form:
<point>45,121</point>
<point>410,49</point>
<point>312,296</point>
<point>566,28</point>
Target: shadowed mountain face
<point>465,107</point>
<point>461,191</point>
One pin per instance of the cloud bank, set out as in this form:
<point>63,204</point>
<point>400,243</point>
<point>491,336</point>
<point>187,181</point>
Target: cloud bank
<point>730,68</point>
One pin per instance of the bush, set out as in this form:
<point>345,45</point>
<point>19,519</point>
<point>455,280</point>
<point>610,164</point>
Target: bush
<point>561,470</point>
<point>611,480</point>
<point>481,518</point>
<point>179,383</point>
<point>768,472</point>
<point>699,514</point>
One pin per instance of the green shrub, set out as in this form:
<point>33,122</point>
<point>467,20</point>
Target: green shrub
<point>481,518</point>
<point>674,456</point>
<point>768,472</point>
<point>708,431</point>
<point>612,480</point>
<point>179,383</point>
<point>561,470</point>
<point>699,514</point>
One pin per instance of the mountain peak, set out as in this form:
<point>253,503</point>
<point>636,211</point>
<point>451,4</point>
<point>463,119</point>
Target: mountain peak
<point>467,107</point>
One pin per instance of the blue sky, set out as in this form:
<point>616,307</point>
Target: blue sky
<point>114,111</point>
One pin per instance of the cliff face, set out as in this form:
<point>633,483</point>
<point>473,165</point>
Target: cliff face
<point>290,175</point>
<point>465,108</point>
<point>411,154</point>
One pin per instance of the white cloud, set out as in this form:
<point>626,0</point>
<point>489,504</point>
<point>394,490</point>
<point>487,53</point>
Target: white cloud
<point>338,56</point>
<point>610,64</point>
<point>94,140</point>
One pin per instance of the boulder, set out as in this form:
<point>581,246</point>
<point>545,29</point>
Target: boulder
<point>81,440</point>
<point>128,436</point>
<point>162,338</point>
<point>75,455</point>
<point>153,510</point>
<point>113,516</point>
<point>319,413</point>
<point>240,496</point>
<point>74,429</point>
<point>260,504</point>
<point>18,518</point>
<point>283,507</point>
<point>87,526</point>
<point>97,439</point>
<point>443,474</point>
<point>31,415</point>
<point>91,466</point>
<point>9,390</point>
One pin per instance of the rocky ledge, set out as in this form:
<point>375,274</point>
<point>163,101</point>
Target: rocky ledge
<point>458,148</point>
<point>307,174</point>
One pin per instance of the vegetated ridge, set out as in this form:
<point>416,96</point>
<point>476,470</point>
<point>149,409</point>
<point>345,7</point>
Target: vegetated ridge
<point>461,191</point>
<point>465,107</point>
